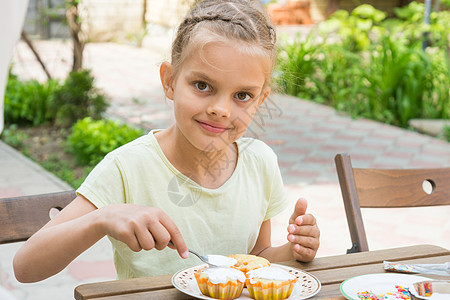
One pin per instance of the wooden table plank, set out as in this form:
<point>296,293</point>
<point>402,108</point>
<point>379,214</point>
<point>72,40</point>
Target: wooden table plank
<point>331,291</point>
<point>172,294</point>
<point>117,287</point>
<point>377,256</point>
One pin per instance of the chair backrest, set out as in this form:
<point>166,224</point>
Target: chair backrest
<point>386,188</point>
<point>20,217</point>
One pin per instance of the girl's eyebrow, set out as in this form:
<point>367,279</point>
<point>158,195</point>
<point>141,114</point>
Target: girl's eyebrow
<point>205,77</point>
<point>202,76</point>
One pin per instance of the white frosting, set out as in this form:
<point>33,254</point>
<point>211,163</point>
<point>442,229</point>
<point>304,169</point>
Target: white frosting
<point>270,273</point>
<point>221,261</point>
<point>222,275</point>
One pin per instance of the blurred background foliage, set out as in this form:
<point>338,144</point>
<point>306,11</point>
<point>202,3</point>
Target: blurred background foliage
<point>369,66</point>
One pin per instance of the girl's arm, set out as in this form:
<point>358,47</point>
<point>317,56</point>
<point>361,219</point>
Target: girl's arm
<point>61,240</point>
<point>80,225</point>
<point>303,238</point>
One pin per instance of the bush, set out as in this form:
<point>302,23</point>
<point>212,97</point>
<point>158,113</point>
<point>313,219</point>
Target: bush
<point>34,103</point>
<point>91,140</point>
<point>29,102</point>
<point>78,98</point>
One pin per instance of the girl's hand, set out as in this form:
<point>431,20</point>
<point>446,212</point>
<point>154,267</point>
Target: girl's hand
<point>141,227</point>
<point>304,233</point>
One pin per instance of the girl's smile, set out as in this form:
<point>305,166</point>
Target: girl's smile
<point>213,127</point>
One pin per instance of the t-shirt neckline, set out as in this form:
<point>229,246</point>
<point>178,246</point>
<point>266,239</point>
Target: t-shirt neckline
<point>185,178</point>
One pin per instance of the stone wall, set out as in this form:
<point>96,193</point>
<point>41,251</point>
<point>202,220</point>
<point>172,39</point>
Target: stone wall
<point>167,13</point>
<point>110,20</point>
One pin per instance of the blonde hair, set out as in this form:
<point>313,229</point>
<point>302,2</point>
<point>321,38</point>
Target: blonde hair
<point>230,20</point>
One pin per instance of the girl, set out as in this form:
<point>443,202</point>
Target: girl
<point>198,183</point>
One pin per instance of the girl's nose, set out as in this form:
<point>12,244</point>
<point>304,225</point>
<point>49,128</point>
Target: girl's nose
<point>220,107</point>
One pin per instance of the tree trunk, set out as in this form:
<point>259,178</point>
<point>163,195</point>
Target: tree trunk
<point>76,33</point>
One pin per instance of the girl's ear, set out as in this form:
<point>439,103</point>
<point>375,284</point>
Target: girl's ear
<point>264,96</point>
<point>166,74</point>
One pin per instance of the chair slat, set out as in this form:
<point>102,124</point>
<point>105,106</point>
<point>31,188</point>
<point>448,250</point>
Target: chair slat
<point>21,217</point>
<point>401,187</point>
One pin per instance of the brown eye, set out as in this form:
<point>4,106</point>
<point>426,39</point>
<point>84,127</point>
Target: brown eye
<point>242,96</point>
<point>202,86</point>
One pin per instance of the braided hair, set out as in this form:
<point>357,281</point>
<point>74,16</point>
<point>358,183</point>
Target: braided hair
<point>232,20</point>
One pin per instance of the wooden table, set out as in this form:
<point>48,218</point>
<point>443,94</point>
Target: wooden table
<point>331,272</point>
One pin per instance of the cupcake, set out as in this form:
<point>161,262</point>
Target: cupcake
<point>220,282</point>
<point>247,262</point>
<point>270,283</point>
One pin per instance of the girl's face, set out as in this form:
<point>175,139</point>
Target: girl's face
<point>216,93</point>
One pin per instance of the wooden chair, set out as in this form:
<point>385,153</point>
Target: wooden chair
<point>384,188</point>
<point>20,217</point>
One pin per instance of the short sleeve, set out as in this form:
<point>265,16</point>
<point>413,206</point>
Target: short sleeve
<point>105,184</point>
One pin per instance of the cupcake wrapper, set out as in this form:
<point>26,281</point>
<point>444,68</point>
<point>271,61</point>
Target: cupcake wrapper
<point>270,291</point>
<point>229,290</point>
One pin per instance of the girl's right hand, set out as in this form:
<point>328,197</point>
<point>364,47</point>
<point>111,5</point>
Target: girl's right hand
<point>141,227</point>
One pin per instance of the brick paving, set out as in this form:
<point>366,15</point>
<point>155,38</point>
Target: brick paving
<point>305,135</point>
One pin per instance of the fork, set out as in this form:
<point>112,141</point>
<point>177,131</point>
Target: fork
<point>207,258</point>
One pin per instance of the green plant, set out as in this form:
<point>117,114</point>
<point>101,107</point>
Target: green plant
<point>338,78</point>
<point>399,80</point>
<point>29,102</point>
<point>446,133</point>
<point>91,140</point>
<point>297,62</point>
<point>410,27</point>
<point>439,95</point>
<point>64,171</point>
<point>354,29</point>
<point>14,137</point>
<point>78,98</point>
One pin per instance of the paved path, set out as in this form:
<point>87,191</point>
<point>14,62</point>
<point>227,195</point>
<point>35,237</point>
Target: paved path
<point>305,136</point>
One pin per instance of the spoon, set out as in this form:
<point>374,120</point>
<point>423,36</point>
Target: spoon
<point>213,259</point>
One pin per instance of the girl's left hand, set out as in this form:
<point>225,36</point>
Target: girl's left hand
<point>304,233</point>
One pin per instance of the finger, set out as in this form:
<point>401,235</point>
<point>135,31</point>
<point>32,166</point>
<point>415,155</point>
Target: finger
<point>171,245</point>
<point>303,254</point>
<point>304,241</point>
<point>175,236</point>
<point>307,219</point>
<point>160,235</point>
<point>130,240</point>
<point>134,245</point>
<point>144,238</point>
<point>299,209</point>
<point>304,230</point>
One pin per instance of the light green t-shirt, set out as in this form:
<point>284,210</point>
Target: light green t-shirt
<point>223,221</point>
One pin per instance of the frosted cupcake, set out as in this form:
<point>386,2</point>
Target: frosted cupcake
<point>270,283</point>
<point>247,262</point>
<point>220,282</point>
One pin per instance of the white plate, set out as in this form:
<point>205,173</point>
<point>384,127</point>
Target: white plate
<point>377,283</point>
<point>306,286</point>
